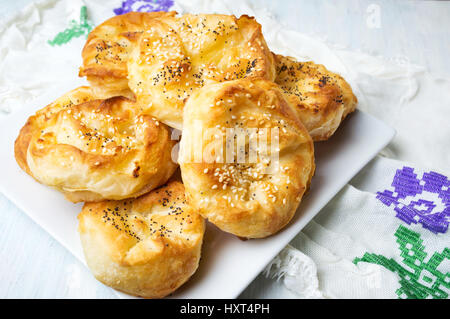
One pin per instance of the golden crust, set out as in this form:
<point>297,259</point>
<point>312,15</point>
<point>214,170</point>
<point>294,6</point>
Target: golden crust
<point>148,246</point>
<point>77,96</point>
<point>106,51</point>
<point>178,55</point>
<point>242,197</point>
<point>322,98</point>
<point>99,149</point>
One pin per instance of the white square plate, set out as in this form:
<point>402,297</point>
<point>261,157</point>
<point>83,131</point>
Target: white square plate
<point>228,264</point>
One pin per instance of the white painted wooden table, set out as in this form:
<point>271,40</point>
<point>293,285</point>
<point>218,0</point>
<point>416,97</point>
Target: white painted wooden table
<point>34,265</point>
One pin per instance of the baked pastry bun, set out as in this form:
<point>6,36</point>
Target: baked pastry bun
<point>77,96</point>
<point>99,149</point>
<point>233,133</point>
<point>322,98</point>
<point>148,246</point>
<point>106,52</point>
<point>178,55</point>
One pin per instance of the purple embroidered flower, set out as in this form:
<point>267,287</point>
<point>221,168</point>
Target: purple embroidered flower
<point>143,6</point>
<point>425,200</point>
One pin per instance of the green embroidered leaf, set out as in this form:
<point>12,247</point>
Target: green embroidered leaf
<point>75,29</point>
<point>418,279</point>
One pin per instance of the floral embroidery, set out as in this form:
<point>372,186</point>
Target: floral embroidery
<point>425,200</point>
<point>143,6</point>
<point>418,279</point>
<point>75,29</point>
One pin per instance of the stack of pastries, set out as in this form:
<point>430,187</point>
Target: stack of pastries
<point>113,145</point>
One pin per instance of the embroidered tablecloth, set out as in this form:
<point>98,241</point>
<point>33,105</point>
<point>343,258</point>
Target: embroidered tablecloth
<point>385,235</point>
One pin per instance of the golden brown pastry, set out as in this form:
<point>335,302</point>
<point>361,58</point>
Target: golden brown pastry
<point>106,51</point>
<point>322,98</point>
<point>99,149</point>
<point>77,96</point>
<point>148,246</point>
<point>178,55</point>
<point>247,192</point>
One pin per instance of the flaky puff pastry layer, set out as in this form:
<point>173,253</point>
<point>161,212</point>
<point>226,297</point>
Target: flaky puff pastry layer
<point>147,246</point>
<point>322,98</point>
<point>178,55</point>
<point>99,149</point>
<point>254,197</point>
<point>106,52</point>
<point>74,97</point>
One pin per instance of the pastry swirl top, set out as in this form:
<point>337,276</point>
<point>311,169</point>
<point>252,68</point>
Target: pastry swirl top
<point>322,98</point>
<point>106,51</point>
<point>100,149</point>
<point>74,97</point>
<point>178,55</point>
<point>256,195</point>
